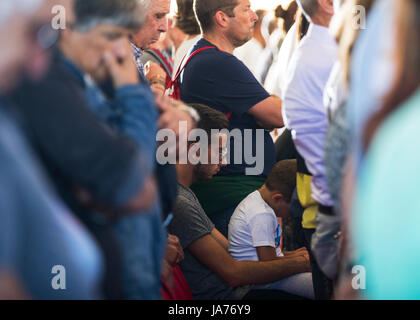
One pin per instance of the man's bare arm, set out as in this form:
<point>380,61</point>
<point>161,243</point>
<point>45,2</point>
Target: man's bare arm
<point>269,253</point>
<point>236,273</point>
<point>268,113</point>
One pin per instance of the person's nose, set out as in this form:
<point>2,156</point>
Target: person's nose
<point>164,26</point>
<point>254,17</point>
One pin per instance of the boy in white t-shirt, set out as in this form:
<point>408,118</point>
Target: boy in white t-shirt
<point>255,232</point>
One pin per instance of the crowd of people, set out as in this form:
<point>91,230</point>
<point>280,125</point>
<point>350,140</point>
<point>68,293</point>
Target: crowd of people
<point>299,156</point>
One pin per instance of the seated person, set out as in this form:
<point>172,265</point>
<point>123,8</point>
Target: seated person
<point>255,232</point>
<point>210,270</point>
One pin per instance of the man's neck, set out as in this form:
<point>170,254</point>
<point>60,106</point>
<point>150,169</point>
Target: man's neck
<point>185,174</point>
<point>265,194</point>
<point>220,41</point>
<point>321,20</point>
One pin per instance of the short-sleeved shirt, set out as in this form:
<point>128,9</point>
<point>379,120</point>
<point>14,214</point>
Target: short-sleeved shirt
<point>219,80</point>
<point>189,224</point>
<point>253,224</point>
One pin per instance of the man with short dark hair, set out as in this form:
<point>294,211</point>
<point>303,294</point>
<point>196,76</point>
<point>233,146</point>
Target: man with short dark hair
<point>210,270</point>
<point>216,78</point>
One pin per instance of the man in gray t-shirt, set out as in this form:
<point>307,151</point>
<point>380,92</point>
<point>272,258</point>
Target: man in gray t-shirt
<point>209,269</point>
<point>190,223</point>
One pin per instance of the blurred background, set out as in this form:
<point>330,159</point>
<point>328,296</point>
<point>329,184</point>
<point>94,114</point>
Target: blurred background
<point>256,4</point>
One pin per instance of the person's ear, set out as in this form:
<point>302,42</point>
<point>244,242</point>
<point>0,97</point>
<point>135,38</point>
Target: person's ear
<point>327,6</point>
<point>221,19</point>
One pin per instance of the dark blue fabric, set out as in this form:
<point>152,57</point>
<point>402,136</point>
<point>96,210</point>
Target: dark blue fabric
<point>219,80</point>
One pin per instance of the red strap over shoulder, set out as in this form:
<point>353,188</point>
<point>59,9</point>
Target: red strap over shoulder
<point>183,65</point>
<point>174,91</point>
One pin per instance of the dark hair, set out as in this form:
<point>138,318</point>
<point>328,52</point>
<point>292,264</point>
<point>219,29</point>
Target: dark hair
<point>407,57</point>
<point>128,14</point>
<point>309,7</point>
<point>260,14</point>
<point>282,178</point>
<point>185,18</point>
<point>210,118</point>
<point>288,15</point>
<point>205,10</point>
<point>302,25</point>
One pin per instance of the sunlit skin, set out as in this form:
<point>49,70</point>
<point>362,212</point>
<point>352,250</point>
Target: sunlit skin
<point>228,33</point>
<point>241,28</point>
<point>156,24</point>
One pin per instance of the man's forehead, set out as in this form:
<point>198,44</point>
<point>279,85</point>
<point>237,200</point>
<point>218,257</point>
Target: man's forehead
<point>244,3</point>
<point>160,6</point>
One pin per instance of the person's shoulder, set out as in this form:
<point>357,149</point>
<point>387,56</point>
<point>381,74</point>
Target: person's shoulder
<point>253,205</point>
<point>186,202</point>
<point>211,54</point>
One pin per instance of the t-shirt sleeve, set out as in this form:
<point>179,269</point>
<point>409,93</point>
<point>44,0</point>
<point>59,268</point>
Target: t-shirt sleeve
<point>262,230</point>
<point>239,89</point>
<point>190,223</point>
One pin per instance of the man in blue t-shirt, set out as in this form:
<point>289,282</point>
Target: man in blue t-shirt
<point>216,78</point>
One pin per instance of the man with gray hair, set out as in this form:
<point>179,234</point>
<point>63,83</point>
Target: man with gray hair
<point>98,53</point>
<point>305,115</point>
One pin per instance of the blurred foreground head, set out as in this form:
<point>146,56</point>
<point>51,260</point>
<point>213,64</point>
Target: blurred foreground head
<point>25,29</point>
<point>98,26</point>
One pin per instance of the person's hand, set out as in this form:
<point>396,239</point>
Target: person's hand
<point>171,116</point>
<point>304,262</point>
<point>174,252</point>
<point>122,68</point>
<point>156,77</point>
<point>145,198</point>
<point>300,251</point>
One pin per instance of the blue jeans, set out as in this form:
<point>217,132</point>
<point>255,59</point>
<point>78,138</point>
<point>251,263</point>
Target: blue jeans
<point>299,284</point>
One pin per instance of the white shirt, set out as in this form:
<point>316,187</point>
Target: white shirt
<point>253,224</point>
<point>276,77</point>
<point>304,111</point>
<point>250,54</point>
<point>182,51</point>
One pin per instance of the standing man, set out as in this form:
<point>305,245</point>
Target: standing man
<point>306,116</point>
<point>157,23</point>
<point>216,78</point>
